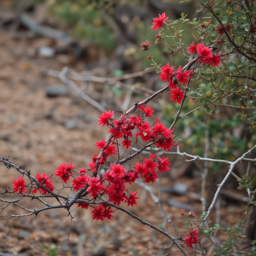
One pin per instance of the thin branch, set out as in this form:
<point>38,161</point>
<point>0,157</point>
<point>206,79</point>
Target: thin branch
<point>224,180</point>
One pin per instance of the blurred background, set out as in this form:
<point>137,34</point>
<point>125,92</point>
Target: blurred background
<point>47,120</point>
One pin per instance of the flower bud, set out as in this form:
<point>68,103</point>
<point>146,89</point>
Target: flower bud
<point>191,214</point>
<point>182,212</point>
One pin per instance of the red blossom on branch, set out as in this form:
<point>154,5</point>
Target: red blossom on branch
<point>95,186</point>
<point>102,211</point>
<point>193,238</point>
<point>159,22</point>
<point>147,110</point>
<point>46,181</point>
<point>105,117</point>
<point>166,73</point>
<point>177,95</point>
<point>19,186</point>
<point>192,48</point>
<point>126,143</point>
<point>219,29</point>
<point>83,205</point>
<point>64,171</point>
<point>80,182</point>
<point>145,46</point>
<point>131,200</point>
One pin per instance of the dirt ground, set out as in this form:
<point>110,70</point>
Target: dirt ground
<point>38,133</point>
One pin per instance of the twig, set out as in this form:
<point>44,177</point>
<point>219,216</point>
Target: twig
<point>224,180</point>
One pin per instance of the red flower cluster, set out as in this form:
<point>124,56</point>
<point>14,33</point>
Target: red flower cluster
<point>220,29</point>
<point>113,182</point>
<point>207,57</point>
<point>193,238</point>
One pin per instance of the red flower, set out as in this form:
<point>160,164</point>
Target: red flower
<point>34,191</point>
<point>100,144</point>
<point>126,143</point>
<point>203,50</point>
<point>172,84</point>
<point>147,110</point>
<point>149,164</point>
<point>161,131</point>
<point>80,182</point>
<point>63,171</point>
<point>97,213</point>
<point>82,170</point>
<point>117,198</point>
<point>219,29</point>
<point>193,238</point>
<point>107,212</point>
<point>166,73</point>
<point>182,77</point>
<point>83,205</point>
<point>192,47</point>
<point>46,181</point>
<point>215,61</point>
<point>95,186</point>
<point>228,27</point>
<point>110,150</point>
<point>149,175</point>
<point>164,164</point>
<point>188,241</point>
<point>116,171</point>
<point>145,46</point>
<point>19,186</point>
<point>117,134</point>
<point>139,168</point>
<point>131,200</point>
<point>92,166</point>
<point>101,212</point>
<point>165,144</point>
<point>104,117</point>
<point>177,95</point>
<point>158,22</point>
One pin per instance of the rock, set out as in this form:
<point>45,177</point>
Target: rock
<point>54,214</point>
<point>79,230</point>
<point>100,252</point>
<point>55,91</point>
<point>116,243</point>
<point>70,124</point>
<point>46,52</point>
<point>81,115</point>
<point>13,118</point>
<point>23,235</point>
<point>65,248</point>
<point>186,207</point>
<point>178,188</point>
